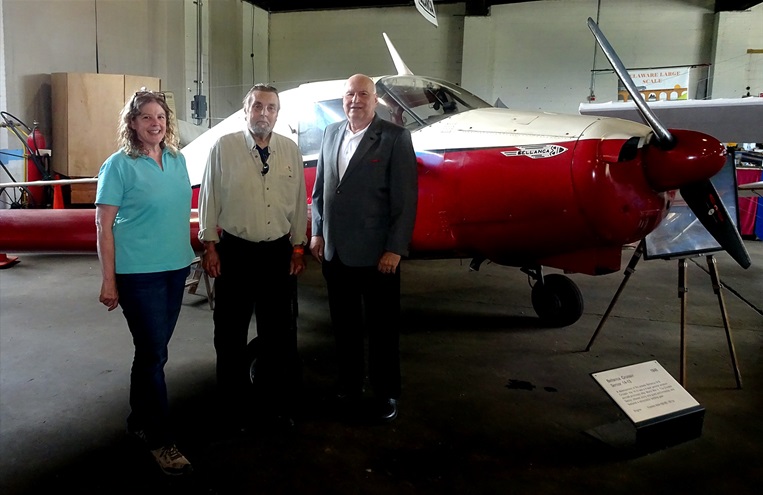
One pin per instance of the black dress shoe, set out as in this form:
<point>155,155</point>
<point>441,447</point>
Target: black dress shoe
<point>386,410</point>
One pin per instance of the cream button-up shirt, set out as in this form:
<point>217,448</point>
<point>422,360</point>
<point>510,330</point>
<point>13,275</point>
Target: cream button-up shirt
<point>236,197</point>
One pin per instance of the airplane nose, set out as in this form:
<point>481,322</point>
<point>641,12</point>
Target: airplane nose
<point>695,157</point>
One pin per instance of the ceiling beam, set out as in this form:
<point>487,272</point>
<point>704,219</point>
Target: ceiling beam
<point>473,7</point>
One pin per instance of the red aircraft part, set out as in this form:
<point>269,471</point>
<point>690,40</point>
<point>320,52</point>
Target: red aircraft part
<point>694,157</point>
<point>57,231</point>
<point>566,209</point>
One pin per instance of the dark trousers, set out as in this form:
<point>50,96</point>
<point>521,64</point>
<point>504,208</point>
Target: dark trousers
<point>151,305</point>
<point>254,279</point>
<point>353,292</point>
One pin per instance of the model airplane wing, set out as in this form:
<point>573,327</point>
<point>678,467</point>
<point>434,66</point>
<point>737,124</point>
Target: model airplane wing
<point>730,120</point>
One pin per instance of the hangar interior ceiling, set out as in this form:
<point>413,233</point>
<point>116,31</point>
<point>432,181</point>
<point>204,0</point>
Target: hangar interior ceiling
<point>473,7</point>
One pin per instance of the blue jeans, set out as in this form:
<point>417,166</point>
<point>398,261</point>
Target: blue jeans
<point>151,305</point>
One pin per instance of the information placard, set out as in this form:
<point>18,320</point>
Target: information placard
<point>645,391</point>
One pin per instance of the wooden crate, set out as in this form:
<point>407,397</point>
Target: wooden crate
<point>85,114</point>
<point>83,194</point>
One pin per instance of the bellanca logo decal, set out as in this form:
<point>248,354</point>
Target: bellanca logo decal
<point>546,151</point>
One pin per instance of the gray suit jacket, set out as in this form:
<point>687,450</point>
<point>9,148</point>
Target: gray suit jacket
<point>373,208</point>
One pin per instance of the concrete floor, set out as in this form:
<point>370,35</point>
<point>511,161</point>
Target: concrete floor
<point>492,402</point>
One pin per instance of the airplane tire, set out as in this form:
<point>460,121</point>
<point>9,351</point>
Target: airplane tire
<point>557,300</point>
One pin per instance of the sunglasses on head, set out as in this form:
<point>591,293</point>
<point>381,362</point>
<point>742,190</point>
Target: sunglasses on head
<point>264,155</point>
<point>156,94</point>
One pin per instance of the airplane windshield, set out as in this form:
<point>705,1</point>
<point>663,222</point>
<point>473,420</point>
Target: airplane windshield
<point>313,120</point>
<point>410,101</point>
<point>414,102</point>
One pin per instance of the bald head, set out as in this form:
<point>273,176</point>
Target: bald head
<point>359,101</point>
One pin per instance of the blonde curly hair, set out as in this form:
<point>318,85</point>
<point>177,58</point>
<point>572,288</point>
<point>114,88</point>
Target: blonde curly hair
<point>127,138</point>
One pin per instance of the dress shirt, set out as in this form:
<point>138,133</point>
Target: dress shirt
<point>347,148</point>
<point>236,197</point>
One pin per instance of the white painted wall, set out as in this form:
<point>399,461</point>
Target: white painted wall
<point>3,78</point>
<point>539,55</point>
<point>225,64</point>
<point>317,46</point>
<point>734,69</point>
<point>255,56</point>
<point>141,37</point>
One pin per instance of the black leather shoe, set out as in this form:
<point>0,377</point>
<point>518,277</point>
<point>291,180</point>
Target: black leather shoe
<point>386,410</point>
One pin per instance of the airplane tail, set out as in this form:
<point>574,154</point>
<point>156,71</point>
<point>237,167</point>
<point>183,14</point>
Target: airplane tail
<point>402,69</point>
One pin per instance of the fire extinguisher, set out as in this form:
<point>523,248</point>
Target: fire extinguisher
<point>36,169</point>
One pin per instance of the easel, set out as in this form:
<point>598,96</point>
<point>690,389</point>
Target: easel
<point>192,283</point>
<point>682,293</point>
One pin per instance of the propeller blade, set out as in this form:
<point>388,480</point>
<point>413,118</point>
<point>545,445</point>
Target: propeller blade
<point>706,203</point>
<point>665,138</point>
<point>695,156</point>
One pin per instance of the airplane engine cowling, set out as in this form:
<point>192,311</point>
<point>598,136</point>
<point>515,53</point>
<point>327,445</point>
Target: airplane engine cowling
<point>619,205</point>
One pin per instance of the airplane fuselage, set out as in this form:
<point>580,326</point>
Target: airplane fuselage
<point>518,188</point>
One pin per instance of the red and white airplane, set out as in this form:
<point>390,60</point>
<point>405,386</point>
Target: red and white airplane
<point>518,188</point>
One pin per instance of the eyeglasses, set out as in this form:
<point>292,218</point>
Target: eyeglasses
<point>265,168</point>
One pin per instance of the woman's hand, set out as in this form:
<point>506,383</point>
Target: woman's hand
<point>109,295</point>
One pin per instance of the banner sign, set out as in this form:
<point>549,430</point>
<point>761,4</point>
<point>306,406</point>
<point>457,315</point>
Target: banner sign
<point>659,84</point>
<point>426,8</point>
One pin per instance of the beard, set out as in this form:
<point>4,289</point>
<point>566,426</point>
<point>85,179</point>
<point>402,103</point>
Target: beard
<point>260,130</point>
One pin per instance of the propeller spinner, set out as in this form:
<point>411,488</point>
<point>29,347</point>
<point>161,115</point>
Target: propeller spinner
<point>683,160</point>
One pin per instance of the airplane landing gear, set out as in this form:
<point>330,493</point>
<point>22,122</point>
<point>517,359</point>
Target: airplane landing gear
<point>556,298</point>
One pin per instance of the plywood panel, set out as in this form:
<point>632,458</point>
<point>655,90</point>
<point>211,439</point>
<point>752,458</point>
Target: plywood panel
<point>95,101</point>
<point>60,115</point>
<point>86,111</point>
<point>136,83</point>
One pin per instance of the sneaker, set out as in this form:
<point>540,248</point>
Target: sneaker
<point>171,461</point>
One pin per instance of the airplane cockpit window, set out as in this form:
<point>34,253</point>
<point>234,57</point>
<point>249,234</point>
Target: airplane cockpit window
<point>314,120</point>
<point>414,101</point>
<point>410,101</point>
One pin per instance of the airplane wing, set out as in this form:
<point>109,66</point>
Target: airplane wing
<point>730,120</point>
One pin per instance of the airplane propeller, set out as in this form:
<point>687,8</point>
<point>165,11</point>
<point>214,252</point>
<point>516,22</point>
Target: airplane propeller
<point>685,159</point>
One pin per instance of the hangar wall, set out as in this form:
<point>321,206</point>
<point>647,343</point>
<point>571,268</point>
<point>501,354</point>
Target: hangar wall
<point>119,36</point>
<point>738,54</point>
<point>545,61</point>
<point>317,46</point>
<point>540,55</point>
<point>531,55</point>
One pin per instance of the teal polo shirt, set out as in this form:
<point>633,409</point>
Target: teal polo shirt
<point>152,229</point>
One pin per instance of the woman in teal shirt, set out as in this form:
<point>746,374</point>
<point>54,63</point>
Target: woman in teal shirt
<point>143,206</point>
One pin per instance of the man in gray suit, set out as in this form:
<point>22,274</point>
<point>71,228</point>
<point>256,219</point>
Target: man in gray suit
<point>364,209</point>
